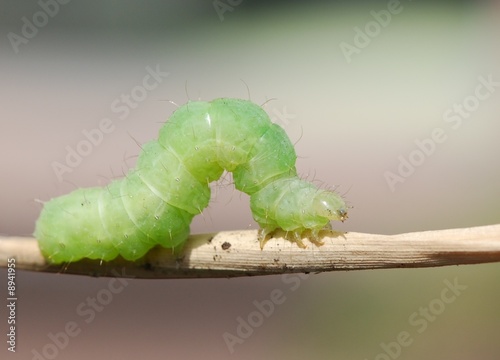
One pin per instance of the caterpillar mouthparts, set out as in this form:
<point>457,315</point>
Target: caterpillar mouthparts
<point>155,203</point>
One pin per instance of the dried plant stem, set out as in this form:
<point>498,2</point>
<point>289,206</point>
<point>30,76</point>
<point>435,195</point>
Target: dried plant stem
<point>237,253</point>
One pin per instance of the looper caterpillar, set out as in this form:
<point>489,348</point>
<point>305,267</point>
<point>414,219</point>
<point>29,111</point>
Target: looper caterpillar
<point>155,203</point>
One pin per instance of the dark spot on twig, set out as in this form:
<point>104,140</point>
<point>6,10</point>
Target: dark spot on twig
<point>225,245</point>
<point>217,257</point>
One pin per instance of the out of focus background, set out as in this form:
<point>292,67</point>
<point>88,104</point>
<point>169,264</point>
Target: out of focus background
<point>395,103</point>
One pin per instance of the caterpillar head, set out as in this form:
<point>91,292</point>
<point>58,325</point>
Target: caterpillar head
<point>315,217</point>
<point>297,207</point>
<point>329,205</point>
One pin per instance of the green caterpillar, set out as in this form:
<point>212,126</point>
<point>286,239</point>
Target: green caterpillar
<point>155,203</point>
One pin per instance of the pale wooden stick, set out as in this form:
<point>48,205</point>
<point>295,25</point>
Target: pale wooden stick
<point>237,253</point>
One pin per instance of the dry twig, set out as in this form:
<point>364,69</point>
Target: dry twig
<point>237,253</point>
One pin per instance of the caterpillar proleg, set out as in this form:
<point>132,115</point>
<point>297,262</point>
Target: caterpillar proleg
<point>155,203</point>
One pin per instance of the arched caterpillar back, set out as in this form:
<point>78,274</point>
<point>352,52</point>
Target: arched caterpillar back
<point>155,203</point>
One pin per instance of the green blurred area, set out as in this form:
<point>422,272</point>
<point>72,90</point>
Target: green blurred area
<point>351,121</point>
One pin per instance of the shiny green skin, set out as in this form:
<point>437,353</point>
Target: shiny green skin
<point>155,203</point>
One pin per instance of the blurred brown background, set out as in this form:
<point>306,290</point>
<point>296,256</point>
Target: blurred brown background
<point>355,86</point>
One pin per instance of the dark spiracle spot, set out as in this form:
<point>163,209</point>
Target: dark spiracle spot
<point>225,245</point>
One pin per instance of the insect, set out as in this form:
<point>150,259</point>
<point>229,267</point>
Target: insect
<point>155,203</point>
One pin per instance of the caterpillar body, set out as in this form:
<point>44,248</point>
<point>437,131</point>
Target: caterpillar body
<point>155,203</point>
